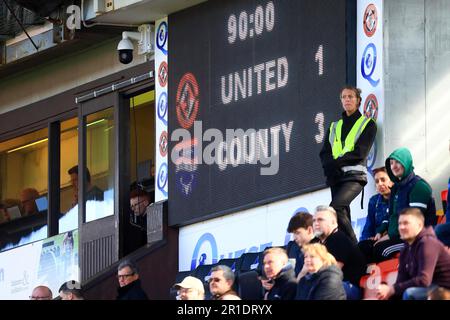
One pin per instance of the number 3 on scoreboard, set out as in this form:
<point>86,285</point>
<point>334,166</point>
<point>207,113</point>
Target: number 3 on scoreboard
<point>320,120</point>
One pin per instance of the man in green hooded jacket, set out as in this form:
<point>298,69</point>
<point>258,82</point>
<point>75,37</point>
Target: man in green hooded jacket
<point>409,190</point>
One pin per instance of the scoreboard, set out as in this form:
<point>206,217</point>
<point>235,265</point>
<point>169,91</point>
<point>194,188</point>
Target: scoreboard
<point>253,87</point>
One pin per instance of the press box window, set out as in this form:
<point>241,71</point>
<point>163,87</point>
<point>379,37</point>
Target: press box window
<point>23,189</point>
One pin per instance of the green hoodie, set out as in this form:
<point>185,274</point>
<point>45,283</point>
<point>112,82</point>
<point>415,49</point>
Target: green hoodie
<point>403,156</point>
<point>419,195</point>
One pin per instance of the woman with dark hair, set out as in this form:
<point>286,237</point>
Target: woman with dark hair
<point>344,156</point>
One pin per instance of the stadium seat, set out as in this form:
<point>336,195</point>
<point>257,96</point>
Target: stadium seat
<point>444,195</point>
<point>442,218</point>
<point>181,275</point>
<point>203,272</point>
<point>249,261</point>
<point>229,262</point>
<point>250,287</point>
<point>383,272</point>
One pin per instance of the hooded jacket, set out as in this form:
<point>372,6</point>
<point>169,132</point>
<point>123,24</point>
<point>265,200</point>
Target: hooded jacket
<point>409,190</point>
<point>426,261</point>
<point>325,284</point>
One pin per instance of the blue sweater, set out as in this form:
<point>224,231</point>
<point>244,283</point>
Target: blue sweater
<point>377,213</point>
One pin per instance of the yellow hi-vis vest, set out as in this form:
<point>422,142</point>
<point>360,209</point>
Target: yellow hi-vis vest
<point>350,140</point>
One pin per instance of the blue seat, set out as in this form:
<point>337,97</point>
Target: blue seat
<point>232,263</point>
<point>203,272</point>
<point>249,261</point>
<point>181,275</point>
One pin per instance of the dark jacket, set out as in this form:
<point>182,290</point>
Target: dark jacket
<point>295,252</point>
<point>332,167</point>
<point>325,284</point>
<point>285,285</point>
<point>377,214</point>
<point>426,261</point>
<point>348,253</point>
<point>132,291</point>
<point>408,191</point>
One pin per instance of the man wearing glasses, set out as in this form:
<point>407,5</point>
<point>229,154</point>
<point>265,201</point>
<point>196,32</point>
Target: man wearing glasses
<point>41,293</point>
<point>221,283</point>
<point>130,285</point>
<point>139,202</point>
<point>190,288</point>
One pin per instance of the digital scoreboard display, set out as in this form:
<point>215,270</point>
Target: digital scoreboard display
<point>253,87</point>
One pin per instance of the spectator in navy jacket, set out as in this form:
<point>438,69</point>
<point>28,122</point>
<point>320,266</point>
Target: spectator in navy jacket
<point>378,205</point>
<point>280,273</point>
<point>377,214</point>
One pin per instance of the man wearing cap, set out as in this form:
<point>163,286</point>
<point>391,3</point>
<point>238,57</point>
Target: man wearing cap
<point>190,288</point>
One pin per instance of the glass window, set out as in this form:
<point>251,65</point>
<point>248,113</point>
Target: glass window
<point>23,189</point>
<point>68,190</point>
<point>100,146</point>
<point>142,131</point>
<point>142,155</point>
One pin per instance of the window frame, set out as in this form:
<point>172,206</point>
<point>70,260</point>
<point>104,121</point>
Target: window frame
<point>50,112</point>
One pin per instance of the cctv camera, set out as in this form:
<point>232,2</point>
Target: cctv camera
<point>143,38</point>
<point>125,49</point>
<point>125,46</point>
